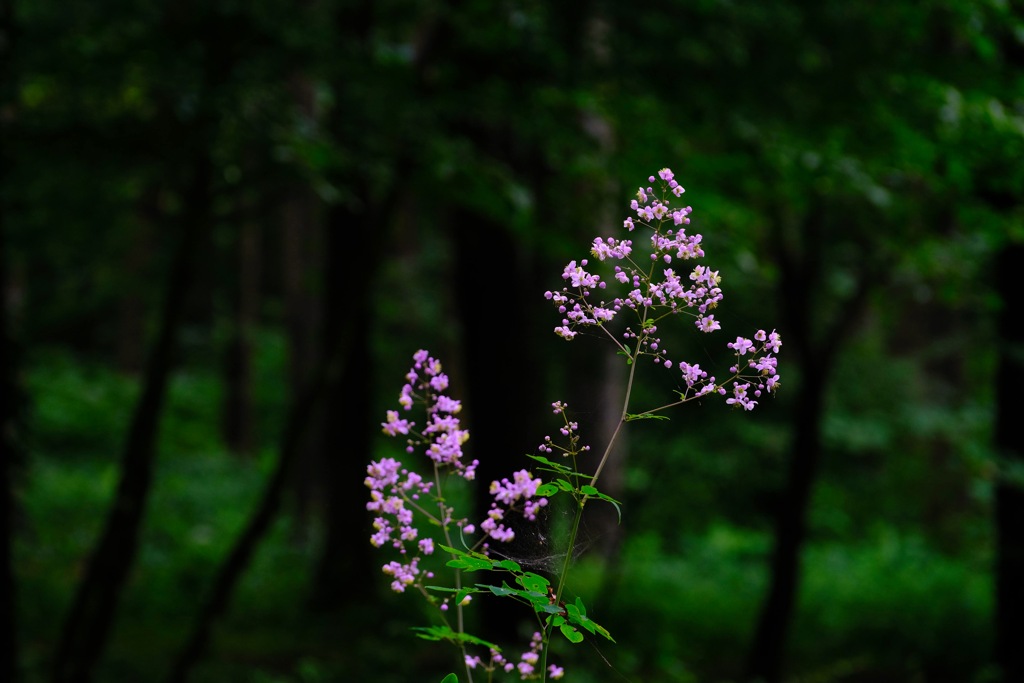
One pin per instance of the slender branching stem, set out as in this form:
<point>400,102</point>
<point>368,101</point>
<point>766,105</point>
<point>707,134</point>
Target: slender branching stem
<point>582,500</point>
<point>459,614</point>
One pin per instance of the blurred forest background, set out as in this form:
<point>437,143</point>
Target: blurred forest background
<point>226,227</point>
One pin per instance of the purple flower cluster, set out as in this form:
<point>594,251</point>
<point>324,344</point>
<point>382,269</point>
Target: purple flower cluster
<point>442,435</point>
<point>393,492</point>
<point>520,495</point>
<point>750,378</point>
<point>527,666</point>
<point>570,431</point>
<point>651,290</point>
<point>396,492</point>
<point>765,378</point>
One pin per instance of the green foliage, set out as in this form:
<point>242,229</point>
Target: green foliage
<point>79,408</point>
<point>687,596</point>
<point>441,632</point>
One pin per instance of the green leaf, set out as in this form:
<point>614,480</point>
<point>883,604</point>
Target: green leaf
<point>630,417</point>
<point>591,491</point>
<point>470,564</point>
<point>601,630</point>
<point>463,553</point>
<point>571,634</point>
<point>450,678</point>
<point>554,466</point>
<point>508,565</point>
<point>501,591</point>
<point>615,504</point>
<point>533,582</point>
<point>548,489</point>
<point>605,496</point>
<point>576,613</point>
<point>446,633</point>
<point>546,606</point>
<point>539,601</point>
<point>435,633</point>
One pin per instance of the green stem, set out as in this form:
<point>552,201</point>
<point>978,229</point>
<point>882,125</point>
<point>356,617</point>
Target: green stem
<point>459,617</point>
<point>622,421</point>
<point>577,518</point>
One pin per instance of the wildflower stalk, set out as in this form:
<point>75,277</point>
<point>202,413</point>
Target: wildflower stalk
<point>646,292</point>
<point>578,517</point>
<point>460,624</point>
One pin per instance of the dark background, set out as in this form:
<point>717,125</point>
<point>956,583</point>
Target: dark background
<point>226,227</point>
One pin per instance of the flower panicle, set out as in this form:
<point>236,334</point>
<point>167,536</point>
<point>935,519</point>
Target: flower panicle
<point>398,493</point>
<point>650,284</point>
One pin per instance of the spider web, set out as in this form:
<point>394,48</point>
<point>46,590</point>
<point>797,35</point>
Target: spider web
<point>540,545</point>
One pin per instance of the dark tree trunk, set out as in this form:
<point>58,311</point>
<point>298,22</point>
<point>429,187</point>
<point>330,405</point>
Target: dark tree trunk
<point>301,268</point>
<point>238,399</point>
<point>1009,438</point>
<point>1009,495</point>
<point>11,401</point>
<point>11,398</point>
<point>813,344</point>
<point>352,256</point>
<point>766,656</point>
<point>11,455</point>
<point>504,397</point>
<point>357,231</point>
<point>133,307</point>
<point>88,625</point>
